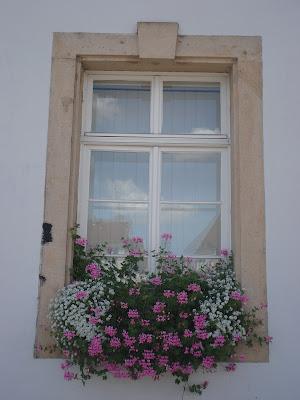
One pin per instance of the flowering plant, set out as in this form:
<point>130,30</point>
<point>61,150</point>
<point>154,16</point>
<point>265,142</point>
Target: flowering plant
<point>114,320</point>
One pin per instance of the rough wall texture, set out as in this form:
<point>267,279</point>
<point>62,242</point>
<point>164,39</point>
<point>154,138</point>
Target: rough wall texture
<point>26,32</point>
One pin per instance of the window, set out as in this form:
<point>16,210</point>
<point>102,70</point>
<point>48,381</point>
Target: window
<point>155,158</point>
<point>224,61</point>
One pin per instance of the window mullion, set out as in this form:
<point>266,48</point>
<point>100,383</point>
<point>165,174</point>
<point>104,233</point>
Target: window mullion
<point>157,104</point>
<point>225,200</point>
<point>155,196</point>
<point>84,189</point>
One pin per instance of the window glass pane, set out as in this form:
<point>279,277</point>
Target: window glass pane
<point>119,195</point>
<point>109,222</point>
<point>121,107</point>
<point>191,176</point>
<point>191,108</point>
<point>195,228</point>
<point>119,175</point>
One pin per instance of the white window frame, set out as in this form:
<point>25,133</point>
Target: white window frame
<point>155,143</point>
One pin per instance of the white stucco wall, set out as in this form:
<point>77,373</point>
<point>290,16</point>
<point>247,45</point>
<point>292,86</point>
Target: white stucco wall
<point>25,52</point>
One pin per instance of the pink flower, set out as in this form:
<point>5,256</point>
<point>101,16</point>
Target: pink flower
<point>202,335</point>
<point>224,253</point>
<point>268,339</point>
<point>81,242</point>
<point>145,338</point>
<point>134,291</point>
<point>208,362</point>
<point>129,341</point>
<point>158,307</point>
<point>166,236</point>
<point>95,347</point>
<point>182,297</point>
<point>94,270</point>
<point>128,363</point>
<point>145,322</point>
<point>68,375</point>
<point>115,342</point>
<point>194,287</point>
<point>110,331</point>
<point>239,297</point>
<point>171,339</point>
<point>219,341</point>
<point>69,334</point>
<point>199,321</point>
<point>196,349</point>
<point>230,367</point>
<point>163,361</point>
<point>184,315</point>
<point>187,333</point>
<point>133,313</point>
<point>169,293</point>
<point>161,318</point>
<point>148,355</point>
<point>65,364</point>
<point>93,320</point>
<point>156,281</point>
<point>124,305</point>
<point>137,239</point>
<point>81,294</point>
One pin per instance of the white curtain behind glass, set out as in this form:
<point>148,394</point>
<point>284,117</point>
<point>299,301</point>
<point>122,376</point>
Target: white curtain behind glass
<point>120,107</point>
<point>119,197</point>
<point>191,108</point>
<point>190,202</point>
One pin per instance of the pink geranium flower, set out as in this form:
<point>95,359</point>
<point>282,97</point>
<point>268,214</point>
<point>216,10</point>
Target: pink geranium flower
<point>194,287</point>
<point>224,253</point>
<point>93,320</point>
<point>158,307</point>
<point>199,321</point>
<point>132,313</point>
<point>182,297</point>
<point>166,236</point>
<point>94,270</point>
<point>208,362</point>
<point>110,331</point>
<point>115,342</point>
<point>187,333</point>
<point>68,375</point>
<point>239,297</point>
<point>268,339</point>
<point>156,281</point>
<point>219,341</point>
<point>137,239</point>
<point>169,293</point>
<point>95,347</point>
<point>69,334</point>
<point>81,294</point>
<point>81,242</point>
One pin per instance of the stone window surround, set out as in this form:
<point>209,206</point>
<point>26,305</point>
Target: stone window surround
<point>240,57</point>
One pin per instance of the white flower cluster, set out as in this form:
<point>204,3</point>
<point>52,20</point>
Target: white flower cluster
<point>226,320</point>
<point>67,313</point>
